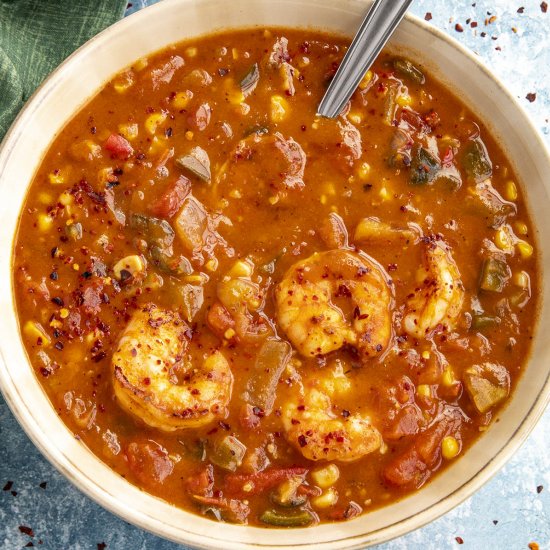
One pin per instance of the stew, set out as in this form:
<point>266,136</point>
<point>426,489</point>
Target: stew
<point>262,315</point>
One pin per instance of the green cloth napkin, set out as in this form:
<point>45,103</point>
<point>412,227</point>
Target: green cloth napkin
<point>36,35</point>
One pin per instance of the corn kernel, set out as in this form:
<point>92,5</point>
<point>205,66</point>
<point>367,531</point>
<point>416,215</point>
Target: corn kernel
<point>449,447</point>
<point>356,118</point>
<point>235,53</point>
<point>329,189</point>
<point>76,267</point>
<point>140,64</point>
<point>229,333</point>
<point>56,178</point>
<point>279,108</point>
<point>365,81</point>
<point>65,198</point>
<point>426,354</point>
<point>448,376</point>
<point>123,82</point>
<point>211,265</point>
<point>521,228</point>
<point>45,198</point>
<point>327,476</point>
<point>503,240</point>
<point>364,171</point>
<point>189,135</point>
<point>129,131</point>
<point>45,222</point>
<point>181,99</point>
<point>56,323</point>
<point>36,332</point>
<point>157,145</point>
<point>323,199</point>
<point>521,279</point>
<point>525,249</point>
<point>384,194</point>
<point>196,279</point>
<point>273,200</point>
<point>511,191</point>
<point>63,313</point>
<point>133,264</point>
<point>326,500</point>
<point>404,100</point>
<point>235,194</point>
<point>424,390</point>
<point>191,51</point>
<point>153,121</point>
<point>241,268</point>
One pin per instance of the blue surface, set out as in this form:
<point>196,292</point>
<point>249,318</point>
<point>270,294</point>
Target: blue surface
<point>508,511</point>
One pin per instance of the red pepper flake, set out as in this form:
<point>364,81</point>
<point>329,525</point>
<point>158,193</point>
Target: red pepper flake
<point>521,10</point>
<point>539,489</point>
<point>460,540</point>
<point>29,544</point>
<point>8,486</point>
<point>302,440</point>
<point>458,28</point>
<point>428,16</point>
<point>101,546</point>
<point>543,7</point>
<point>473,24</point>
<point>26,530</point>
<point>531,96</point>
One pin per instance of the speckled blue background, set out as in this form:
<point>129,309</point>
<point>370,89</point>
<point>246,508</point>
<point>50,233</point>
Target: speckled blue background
<point>511,511</point>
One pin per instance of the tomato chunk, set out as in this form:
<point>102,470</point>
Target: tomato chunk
<point>149,462</point>
<point>119,147</point>
<point>169,204</point>
<point>240,485</point>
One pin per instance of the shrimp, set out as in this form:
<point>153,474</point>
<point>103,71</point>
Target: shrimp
<point>155,381</point>
<point>438,301</point>
<point>313,427</point>
<point>334,299</point>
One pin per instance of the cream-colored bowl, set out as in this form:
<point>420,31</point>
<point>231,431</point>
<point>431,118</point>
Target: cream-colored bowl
<point>77,80</point>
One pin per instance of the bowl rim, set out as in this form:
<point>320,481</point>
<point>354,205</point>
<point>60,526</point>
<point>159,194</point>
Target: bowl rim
<point>100,495</point>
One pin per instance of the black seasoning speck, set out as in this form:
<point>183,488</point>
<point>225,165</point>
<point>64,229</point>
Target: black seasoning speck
<point>54,276</point>
<point>43,484</point>
<point>8,486</point>
<point>539,489</point>
<point>531,96</point>
<point>543,7</point>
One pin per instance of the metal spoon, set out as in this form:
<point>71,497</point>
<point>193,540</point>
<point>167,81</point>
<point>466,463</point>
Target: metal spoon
<point>376,29</point>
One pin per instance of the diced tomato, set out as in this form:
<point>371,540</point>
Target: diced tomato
<point>351,511</point>
<point>407,469</point>
<point>415,465</point>
<point>119,147</point>
<point>201,482</point>
<point>407,422</point>
<point>231,509</point>
<point>219,319</point>
<point>235,484</point>
<point>149,462</point>
<point>170,203</point>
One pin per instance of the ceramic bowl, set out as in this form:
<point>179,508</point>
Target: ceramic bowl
<point>78,79</point>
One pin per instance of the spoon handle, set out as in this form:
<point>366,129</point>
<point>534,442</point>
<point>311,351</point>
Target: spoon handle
<point>376,29</point>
